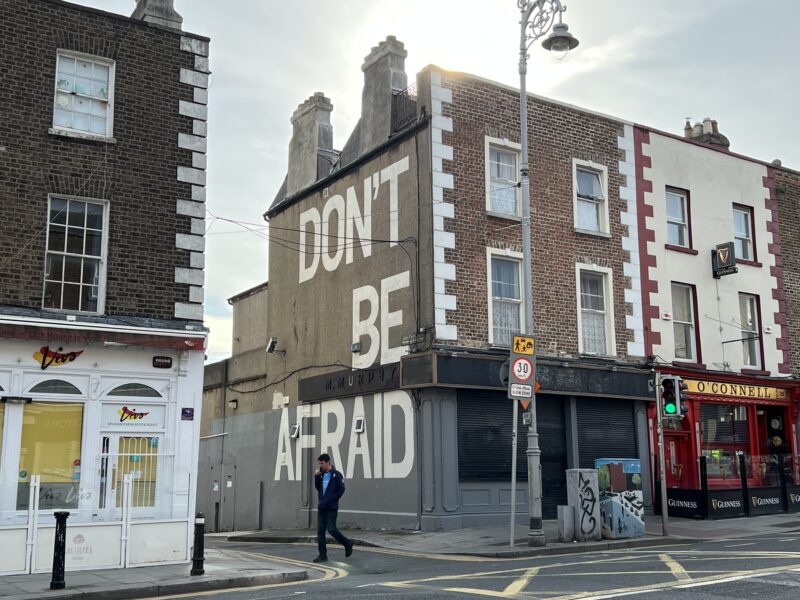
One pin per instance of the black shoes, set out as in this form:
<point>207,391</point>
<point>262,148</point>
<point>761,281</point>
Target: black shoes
<point>348,550</point>
<point>320,559</point>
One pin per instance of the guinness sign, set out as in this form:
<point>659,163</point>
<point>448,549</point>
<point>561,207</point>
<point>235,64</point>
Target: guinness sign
<point>725,503</point>
<point>723,260</point>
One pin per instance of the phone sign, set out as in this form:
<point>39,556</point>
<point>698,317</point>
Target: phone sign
<point>162,362</point>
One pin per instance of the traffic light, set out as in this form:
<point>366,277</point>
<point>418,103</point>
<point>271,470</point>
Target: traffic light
<point>683,396</point>
<point>670,406</point>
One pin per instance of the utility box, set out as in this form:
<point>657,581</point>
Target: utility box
<point>619,481</point>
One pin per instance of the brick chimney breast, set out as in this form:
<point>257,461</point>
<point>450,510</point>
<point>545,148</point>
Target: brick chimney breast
<point>159,12</point>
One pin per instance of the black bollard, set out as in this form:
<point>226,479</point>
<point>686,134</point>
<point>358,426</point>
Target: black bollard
<point>59,551</point>
<point>197,555</point>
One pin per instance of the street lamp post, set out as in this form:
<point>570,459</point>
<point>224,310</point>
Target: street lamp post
<point>537,18</point>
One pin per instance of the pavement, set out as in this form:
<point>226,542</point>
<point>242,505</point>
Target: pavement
<point>494,542</point>
<point>226,568</point>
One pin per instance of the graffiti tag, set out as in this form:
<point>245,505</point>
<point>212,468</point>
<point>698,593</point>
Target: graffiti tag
<point>588,503</point>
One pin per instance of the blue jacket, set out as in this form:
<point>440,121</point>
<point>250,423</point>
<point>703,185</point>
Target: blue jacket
<point>330,499</point>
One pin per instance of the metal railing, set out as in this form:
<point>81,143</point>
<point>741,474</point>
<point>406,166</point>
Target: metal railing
<point>404,108</point>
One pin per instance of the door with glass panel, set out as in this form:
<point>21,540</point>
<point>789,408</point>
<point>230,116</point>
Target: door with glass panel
<point>137,456</point>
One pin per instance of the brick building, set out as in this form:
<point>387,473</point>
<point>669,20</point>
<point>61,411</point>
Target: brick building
<point>102,150</point>
<point>395,286</point>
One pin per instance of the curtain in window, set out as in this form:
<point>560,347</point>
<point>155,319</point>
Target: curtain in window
<point>503,179</point>
<point>589,184</point>
<point>505,321</point>
<point>593,316</point>
<point>505,279</point>
<point>683,321</point>
<point>749,320</point>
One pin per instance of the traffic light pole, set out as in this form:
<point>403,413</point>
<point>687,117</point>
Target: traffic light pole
<point>661,462</point>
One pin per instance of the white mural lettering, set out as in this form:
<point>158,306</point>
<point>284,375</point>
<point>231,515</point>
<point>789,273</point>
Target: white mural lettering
<point>351,220</point>
<point>378,340</point>
<point>359,446</point>
<point>373,454</point>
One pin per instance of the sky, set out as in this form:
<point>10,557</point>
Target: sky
<point>653,62</point>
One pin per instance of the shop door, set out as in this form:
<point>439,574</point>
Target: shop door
<point>677,460</point>
<point>137,456</point>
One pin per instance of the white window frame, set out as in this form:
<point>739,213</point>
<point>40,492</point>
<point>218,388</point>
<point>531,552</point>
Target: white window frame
<point>111,64</point>
<point>602,171</point>
<point>670,221</point>
<point>507,146</point>
<point>508,255</point>
<point>608,298</point>
<point>746,332</point>
<point>692,301</point>
<point>749,212</point>
<point>101,286</point>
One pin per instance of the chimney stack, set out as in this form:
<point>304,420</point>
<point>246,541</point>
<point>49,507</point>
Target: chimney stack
<point>159,12</point>
<point>706,132</point>
<point>384,74</point>
<point>312,133</point>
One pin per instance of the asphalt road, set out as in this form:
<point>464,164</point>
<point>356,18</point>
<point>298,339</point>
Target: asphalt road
<point>767,567</point>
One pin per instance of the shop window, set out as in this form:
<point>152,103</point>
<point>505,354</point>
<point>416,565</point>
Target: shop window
<point>135,389</point>
<point>51,449</point>
<point>724,434</point>
<point>54,386</point>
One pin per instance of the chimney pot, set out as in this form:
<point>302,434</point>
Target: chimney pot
<point>687,129</point>
<point>707,128</point>
<point>697,130</point>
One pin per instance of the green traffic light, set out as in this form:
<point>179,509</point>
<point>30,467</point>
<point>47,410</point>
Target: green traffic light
<point>670,409</point>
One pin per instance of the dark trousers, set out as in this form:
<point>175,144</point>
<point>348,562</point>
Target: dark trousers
<point>326,521</point>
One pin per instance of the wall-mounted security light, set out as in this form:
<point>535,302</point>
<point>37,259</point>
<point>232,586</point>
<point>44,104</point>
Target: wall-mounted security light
<point>359,425</point>
<point>233,404</point>
<point>16,400</point>
<point>355,347</point>
<point>294,432</point>
<point>272,346</point>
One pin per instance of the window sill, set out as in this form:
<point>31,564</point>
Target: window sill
<point>752,263</point>
<point>689,364</point>
<point>81,136</point>
<point>602,234</point>
<point>683,249</point>
<point>746,371</point>
<point>507,216</point>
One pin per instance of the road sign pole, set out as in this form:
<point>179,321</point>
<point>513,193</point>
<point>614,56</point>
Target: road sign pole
<point>514,471</point>
<point>661,461</point>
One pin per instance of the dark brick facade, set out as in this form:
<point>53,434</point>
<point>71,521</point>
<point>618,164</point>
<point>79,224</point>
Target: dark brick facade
<point>787,193</point>
<point>557,135</point>
<point>137,174</point>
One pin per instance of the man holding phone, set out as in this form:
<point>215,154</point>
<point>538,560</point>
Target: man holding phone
<point>330,487</point>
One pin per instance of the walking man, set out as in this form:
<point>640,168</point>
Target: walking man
<point>330,487</point>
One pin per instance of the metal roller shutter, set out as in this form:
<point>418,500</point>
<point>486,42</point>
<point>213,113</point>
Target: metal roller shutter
<point>484,443</point>
<point>606,429</point>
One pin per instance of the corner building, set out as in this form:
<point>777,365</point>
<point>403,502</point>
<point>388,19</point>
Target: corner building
<point>101,282</point>
<point>394,290</point>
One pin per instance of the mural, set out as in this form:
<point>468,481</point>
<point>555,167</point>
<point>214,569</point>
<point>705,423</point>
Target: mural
<point>621,500</point>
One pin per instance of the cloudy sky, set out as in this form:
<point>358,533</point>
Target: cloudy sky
<point>650,61</point>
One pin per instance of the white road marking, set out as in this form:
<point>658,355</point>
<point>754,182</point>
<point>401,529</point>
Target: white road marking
<point>726,580</point>
<point>737,545</point>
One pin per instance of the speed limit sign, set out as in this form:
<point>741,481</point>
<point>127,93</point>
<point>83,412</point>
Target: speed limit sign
<point>522,368</point>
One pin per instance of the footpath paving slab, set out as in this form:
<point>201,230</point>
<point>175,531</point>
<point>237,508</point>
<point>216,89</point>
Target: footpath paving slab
<point>224,569</point>
<point>494,541</point>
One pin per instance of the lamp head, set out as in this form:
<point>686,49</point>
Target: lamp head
<point>560,40</point>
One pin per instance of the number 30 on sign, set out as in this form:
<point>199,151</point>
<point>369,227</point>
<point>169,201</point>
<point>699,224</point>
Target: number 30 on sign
<point>522,368</point>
